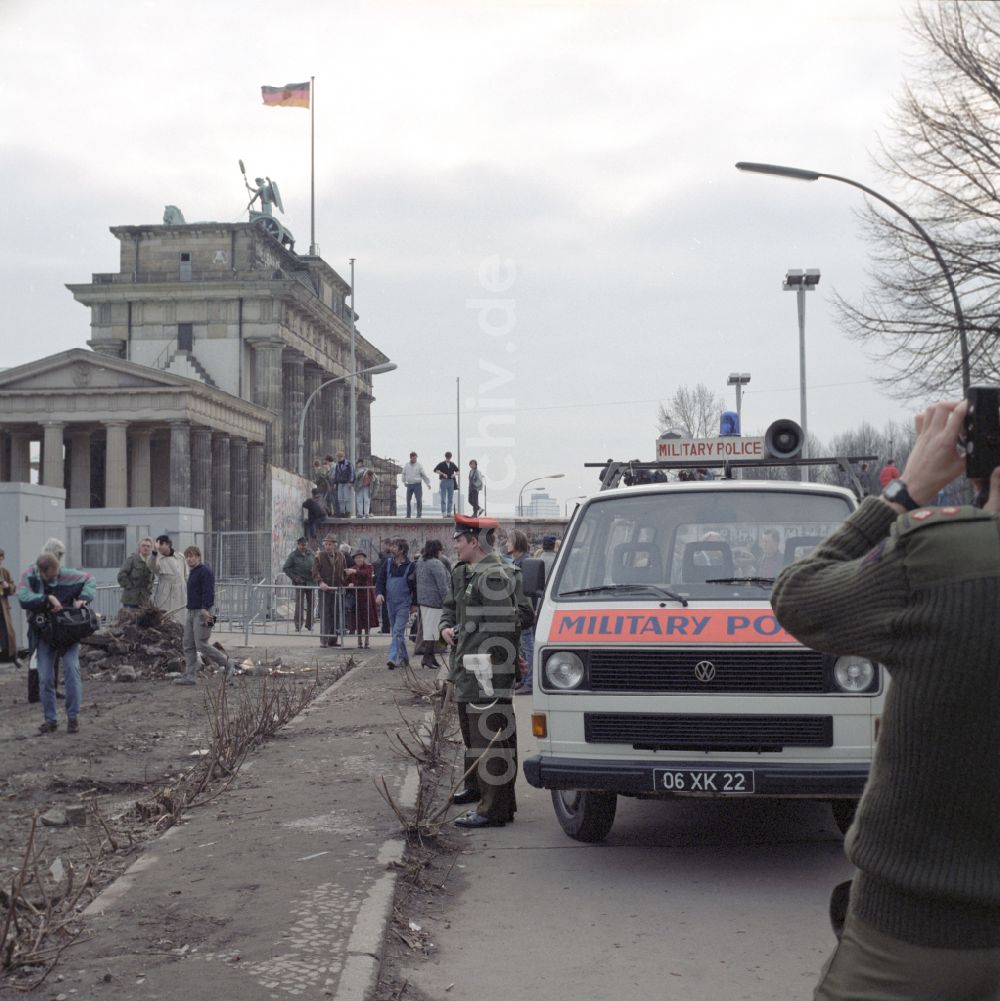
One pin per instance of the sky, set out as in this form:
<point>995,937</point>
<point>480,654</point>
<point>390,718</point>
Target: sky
<point>550,233</point>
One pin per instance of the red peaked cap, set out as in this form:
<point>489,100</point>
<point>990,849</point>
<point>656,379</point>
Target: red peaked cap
<point>472,526</point>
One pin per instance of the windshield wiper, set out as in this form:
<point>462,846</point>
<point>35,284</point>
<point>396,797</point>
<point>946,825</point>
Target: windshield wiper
<point>759,581</point>
<point>665,591</point>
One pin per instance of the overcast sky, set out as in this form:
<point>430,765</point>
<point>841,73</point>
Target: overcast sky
<point>568,163</point>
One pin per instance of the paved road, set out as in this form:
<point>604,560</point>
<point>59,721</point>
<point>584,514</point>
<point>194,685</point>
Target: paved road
<point>700,901</point>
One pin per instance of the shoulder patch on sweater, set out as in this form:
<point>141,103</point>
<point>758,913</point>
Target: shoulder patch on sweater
<point>927,517</point>
<point>951,545</point>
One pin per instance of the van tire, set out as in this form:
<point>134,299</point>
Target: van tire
<point>843,813</point>
<point>585,816</point>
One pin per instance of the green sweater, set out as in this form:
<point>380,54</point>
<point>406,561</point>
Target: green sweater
<point>920,594</point>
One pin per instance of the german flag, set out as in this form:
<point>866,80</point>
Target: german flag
<point>292,95</point>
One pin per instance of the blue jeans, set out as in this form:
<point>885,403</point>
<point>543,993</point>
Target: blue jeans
<point>399,615</point>
<point>345,499</point>
<point>447,496</point>
<point>71,675</point>
<point>415,490</point>
<point>528,653</point>
<point>363,502</point>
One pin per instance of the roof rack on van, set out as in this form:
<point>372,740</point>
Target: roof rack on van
<point>635,471</point>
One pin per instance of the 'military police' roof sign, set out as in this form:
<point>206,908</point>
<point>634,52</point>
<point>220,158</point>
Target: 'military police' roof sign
<point>695,450</point>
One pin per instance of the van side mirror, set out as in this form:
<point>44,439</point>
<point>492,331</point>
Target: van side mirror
<point>533,577</point>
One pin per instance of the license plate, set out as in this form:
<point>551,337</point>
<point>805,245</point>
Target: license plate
<point>720,783</point>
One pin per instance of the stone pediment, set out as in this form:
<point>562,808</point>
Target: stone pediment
<point>80,370</point>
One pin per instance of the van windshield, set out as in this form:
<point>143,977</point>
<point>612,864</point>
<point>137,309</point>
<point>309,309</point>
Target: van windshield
<point>712,544</point>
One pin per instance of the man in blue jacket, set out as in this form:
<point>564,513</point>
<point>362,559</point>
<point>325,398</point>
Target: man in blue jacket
<point>46,586</point>
<point>199,619</point>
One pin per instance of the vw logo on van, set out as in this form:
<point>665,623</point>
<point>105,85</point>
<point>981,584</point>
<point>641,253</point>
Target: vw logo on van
<point>704,671</point>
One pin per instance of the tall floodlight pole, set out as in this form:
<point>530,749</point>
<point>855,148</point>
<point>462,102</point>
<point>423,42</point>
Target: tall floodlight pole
<point>353,454</point>
<point>458,443</point>
<point>814,175</point>
<point>739,380</point>
<point>388,366</point>
<point>800,282</point>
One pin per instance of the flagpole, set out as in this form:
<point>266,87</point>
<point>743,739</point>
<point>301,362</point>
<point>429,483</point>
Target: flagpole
<point>313,251</point>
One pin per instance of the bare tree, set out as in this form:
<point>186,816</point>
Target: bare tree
<point>692,409</point>
<point>942,158</point>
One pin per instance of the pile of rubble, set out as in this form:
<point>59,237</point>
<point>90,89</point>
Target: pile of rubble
<point>145,639</point>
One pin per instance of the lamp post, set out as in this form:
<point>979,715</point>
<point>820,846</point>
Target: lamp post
<point>739,380</point>
<point>800,282</point>
<point>551,476</point>
<point>388,366</point>
<point>353,445</point>
<point>814,175</point>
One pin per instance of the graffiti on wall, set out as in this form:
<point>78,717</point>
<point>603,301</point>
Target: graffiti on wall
<point>288,491</point>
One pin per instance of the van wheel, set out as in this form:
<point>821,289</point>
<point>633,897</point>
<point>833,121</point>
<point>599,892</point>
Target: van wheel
<point>585,816</point>
<point>843,813</point>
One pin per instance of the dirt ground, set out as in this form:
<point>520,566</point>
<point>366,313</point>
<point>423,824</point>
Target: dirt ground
<point>134,738</point>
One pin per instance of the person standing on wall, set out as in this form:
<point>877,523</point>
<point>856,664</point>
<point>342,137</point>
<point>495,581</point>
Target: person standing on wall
<point>475,485</point>
<point>413,478</point>
<point>448,475</point>
<point>342,477</point>
<point>365,488</point>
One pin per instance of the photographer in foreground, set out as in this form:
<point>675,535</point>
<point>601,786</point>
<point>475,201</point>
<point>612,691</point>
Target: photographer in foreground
<point>48,587</point>
<point>918,590</point>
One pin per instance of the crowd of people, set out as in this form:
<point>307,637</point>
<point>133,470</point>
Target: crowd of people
<point>342,490</point>
<point>399,594</point>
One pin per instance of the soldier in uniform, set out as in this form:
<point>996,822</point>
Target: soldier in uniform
<point>916,588</point>
<point>481,621</point>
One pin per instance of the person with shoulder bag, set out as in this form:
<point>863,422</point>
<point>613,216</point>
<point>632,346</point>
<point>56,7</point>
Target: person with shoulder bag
<point>50,594</point>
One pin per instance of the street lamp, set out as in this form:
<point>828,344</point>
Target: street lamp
<point>739,380</point>
<point>814,175</point>
<point>551,476</point>
<point>388,366</point>
<point>800,282</point>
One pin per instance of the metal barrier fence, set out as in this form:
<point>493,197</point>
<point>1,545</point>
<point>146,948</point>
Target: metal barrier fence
<point>274,609</point>
<point>280,609</point>
<point>236,555</point>
<point>231,602</point>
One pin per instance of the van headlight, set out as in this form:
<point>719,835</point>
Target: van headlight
<point>853,674</point>
<point>564,669</point>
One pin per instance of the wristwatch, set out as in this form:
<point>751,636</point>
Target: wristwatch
<point>896,493</point>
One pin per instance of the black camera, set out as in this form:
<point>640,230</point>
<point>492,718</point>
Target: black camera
<point>981,436</point>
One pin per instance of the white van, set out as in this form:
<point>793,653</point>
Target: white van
<point>661,671</point>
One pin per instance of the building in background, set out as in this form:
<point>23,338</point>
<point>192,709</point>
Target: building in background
<point>206,344</point>
<point>541,505</point>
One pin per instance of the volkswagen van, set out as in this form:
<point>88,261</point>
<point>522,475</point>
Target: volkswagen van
<point>661,671</point>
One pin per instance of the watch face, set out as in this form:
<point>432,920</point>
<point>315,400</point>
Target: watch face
<point>897,493</point>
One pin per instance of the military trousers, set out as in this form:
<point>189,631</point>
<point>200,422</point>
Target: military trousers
<point>868,964</point>
<point>496,772</point>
